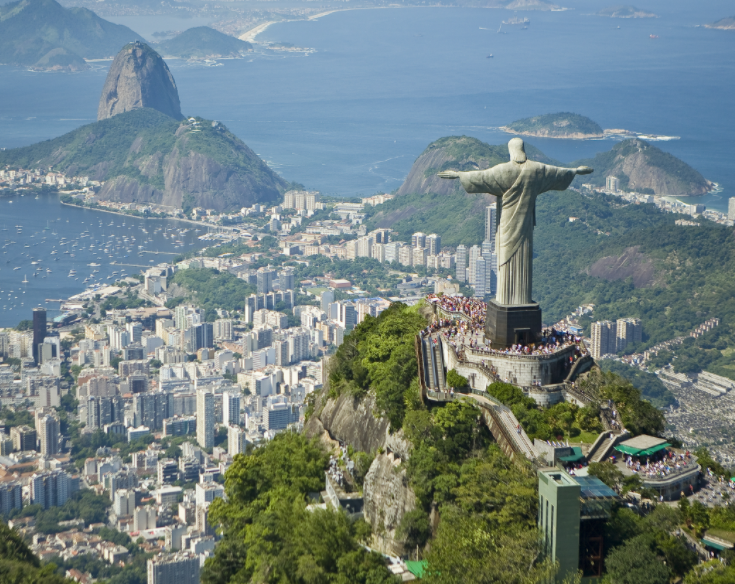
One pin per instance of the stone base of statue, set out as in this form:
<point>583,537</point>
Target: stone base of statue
<point>509,325</point>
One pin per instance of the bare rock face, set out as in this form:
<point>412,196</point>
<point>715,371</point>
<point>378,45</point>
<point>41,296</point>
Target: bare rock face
<point>350,420</point>
<point>388,497</point>
<point>139,78</point>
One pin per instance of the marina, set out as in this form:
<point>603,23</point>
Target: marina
<point>62,251</point>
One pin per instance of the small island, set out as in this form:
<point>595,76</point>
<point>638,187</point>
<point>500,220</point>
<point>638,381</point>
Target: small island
<point>203,42</point>
<point>723,24</point>
<point>625,12</point>
<point>560,125</point>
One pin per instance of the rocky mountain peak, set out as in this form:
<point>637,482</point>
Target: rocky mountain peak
<point>139,78</point>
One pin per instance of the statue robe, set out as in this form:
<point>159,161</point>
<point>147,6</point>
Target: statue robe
<point>516,185</point>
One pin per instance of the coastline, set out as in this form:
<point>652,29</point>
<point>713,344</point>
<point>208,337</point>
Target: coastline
<point>146,218</point>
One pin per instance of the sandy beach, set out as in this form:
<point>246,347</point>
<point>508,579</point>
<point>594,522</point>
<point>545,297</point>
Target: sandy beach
<point>250,35</point>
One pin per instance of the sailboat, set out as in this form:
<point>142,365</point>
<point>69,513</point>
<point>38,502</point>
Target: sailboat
<point>25,279</point>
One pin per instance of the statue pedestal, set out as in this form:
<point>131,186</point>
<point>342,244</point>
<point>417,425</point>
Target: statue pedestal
<point>509,325</point>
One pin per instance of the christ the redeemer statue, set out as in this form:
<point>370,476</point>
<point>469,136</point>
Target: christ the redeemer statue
<point>516,184</point>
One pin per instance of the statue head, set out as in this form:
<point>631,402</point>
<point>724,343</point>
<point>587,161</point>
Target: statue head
<point>517,150</point>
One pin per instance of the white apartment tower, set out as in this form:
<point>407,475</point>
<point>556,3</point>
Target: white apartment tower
<point>461,263</point>
<point>205,419</point>
<point>178,568</point>
<point>230,408</point>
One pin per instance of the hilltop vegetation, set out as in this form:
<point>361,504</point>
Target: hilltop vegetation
<point>44,35</point>
<point>147,157</point>
<point>270,536</point>
<point>560,125</point>
<point>641,167</point>
<point>19,565</point>
<point>203,42</point>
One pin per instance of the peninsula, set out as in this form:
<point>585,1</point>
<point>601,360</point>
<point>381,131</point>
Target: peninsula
<point>560,125</point>
<point>143,151</point>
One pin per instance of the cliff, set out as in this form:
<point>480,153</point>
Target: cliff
<point>641,167</point>
<point>44,35</point>
<point>561,125</point>
<point>139,78</point>
<point>145,156</point>
<point>203,42</point>
<point>386,492</point>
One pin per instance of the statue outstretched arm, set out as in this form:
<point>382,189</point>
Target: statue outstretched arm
<point>449,174</point>
<point>584,170</point>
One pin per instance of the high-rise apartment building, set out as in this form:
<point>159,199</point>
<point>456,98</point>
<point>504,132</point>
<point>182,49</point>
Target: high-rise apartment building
<point>731,209</point>
<point>39,330</point>
<point>418,239</point>
<point>11,497</point>
<point>223,329</point>
<point>475,252</point>
<point>433,244</point>
<point>461,263</point>
<point>150,409</point>
<point>612,184</point>
<point>52,489</point>
<point>230,408</point>
<point>604,338</point>
<point>24,438</point>
<point>205,419</point>
<point>286,279</point>
<point>491,223</point>
<point>236,440</point>
<point>480,277</point>
<point>266,276</point>
<point>48,430</point>
<point>629,332</point>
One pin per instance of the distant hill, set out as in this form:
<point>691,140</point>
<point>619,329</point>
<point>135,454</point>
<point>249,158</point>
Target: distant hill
<point>44,35</point>
<point>723,24</point>
<point>203,42</point>
<point>455,153</point>
<point>625,12</point>
<point>642,167</point>
<point>434,205</point>
<point>145,156</point>
<point>560,125</point>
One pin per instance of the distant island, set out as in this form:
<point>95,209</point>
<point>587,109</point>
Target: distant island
<point>203,42</point>
<point>559,125</point>
<point>45,36</point>
<point>723,24</point>
<point>625,12</point>
<point>533,5</point>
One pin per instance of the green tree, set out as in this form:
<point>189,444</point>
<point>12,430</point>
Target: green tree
<point>456,380</point>
<point>632,563</point>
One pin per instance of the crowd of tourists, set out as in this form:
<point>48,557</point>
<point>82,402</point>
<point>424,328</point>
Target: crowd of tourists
<point>669,464</point>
